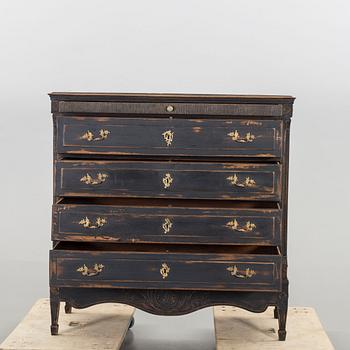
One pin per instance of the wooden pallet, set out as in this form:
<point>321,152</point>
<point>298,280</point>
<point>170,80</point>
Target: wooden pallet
<point>101,327</point>
<point>239,329</point>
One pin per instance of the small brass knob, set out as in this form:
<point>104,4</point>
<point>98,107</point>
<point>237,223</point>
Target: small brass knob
<point>170,108</point>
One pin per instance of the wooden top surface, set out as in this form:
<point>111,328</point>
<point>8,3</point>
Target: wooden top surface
<point>99,327</point>
<point>239,329</point>
<point>169,97</point>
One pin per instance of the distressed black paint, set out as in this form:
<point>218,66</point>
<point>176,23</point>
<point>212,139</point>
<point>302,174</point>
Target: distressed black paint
<point>127,211</point>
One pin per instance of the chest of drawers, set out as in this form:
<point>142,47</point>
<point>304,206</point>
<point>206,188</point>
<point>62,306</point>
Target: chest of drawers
<point>170,202</point>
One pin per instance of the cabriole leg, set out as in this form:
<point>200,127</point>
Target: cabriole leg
<point>55,310</point>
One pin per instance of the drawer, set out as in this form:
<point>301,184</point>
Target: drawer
<point>147,224</point>
<point>219,269</point>
<point>252,107</point>
<point>169,137</point>
<point>168,180</point>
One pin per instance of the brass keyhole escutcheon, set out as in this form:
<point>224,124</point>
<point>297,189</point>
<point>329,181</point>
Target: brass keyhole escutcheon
<point>167,225</point>
<point>168,137</point>
<point>164,270</point>
<point>167,180</point>
<point>170,108</point>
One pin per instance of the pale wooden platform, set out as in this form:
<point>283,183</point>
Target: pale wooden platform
<point>103,327</point>
<point>100,327</point>
<point>239,329</point>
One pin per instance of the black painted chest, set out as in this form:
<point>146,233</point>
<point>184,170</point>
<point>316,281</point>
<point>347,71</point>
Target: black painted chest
<point>170,202</point>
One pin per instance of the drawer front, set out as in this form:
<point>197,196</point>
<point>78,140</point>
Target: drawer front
<point>165,271</point>
<point>98,223</point>
<point>168,180</point>
<point>261,109</point>
<point>169,137</point>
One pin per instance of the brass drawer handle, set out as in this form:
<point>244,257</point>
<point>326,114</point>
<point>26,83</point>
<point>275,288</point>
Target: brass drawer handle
<point>170,108</point>
<point>168,137</point>
<point>167,225</point>
<point>86,271</point>
<point>234,226</point>
<point>164,270</point>
<point>249,137</point>
<point>248,182</point>
<point>248,273</point>
<point>89,136</point>
<point>89,180</point>
<point>86,222</point>
<point>167,180</point>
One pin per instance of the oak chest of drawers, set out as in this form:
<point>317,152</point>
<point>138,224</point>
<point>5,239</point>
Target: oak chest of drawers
<point>170,202</point>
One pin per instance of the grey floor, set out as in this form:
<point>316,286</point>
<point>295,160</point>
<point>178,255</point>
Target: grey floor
<point>22,284</point>
<point>191,332</point>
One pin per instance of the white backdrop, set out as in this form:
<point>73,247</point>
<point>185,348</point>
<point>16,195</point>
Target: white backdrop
<point>283,47</point>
